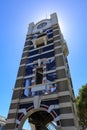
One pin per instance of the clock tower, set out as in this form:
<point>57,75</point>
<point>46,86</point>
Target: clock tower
<point>43,92</point>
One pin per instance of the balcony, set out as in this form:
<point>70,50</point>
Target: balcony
<point>40,40</point>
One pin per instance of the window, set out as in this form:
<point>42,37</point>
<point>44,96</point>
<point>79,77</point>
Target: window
<point>39,75</point>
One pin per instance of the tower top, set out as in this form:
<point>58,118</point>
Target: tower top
<point>43,24</point>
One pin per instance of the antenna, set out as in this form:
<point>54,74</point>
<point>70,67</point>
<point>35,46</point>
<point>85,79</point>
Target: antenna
<point>46,16</point>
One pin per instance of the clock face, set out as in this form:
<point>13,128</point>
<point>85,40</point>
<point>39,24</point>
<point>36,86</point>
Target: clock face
<point>42,25</point>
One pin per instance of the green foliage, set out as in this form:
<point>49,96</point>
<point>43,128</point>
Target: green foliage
<point>81,102</point>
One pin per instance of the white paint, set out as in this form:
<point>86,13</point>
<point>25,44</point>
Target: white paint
<point>54,19</point>
<point>44,78</point>
<point>52,107</point>
<point>12,110</point>
<point>22,65</point>
<point>15,100</point>
<point>38,88</point>
<point>57,40</point>
<point>22,111</point>
<point>56,35</point>
<point>57,118</point>
<point>66,116</point>
<point>20,77</point>
<point>63,93</point>
<point>24,58</point>
<point>39,62</point>
<point>67,104</point>
<point>36,102</point>
<point>17,122</point>
<point>69,128</point>
<point>12,120</point>
<point>15,129</point>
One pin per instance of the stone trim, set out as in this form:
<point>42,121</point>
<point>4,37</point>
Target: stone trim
<point>69,128</point>
<point>12,120</point>
<point>66,116</point>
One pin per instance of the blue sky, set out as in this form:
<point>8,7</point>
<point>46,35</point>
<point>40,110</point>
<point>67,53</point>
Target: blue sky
<point>15,15</point>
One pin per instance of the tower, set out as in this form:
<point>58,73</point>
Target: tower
<point>43,91</point>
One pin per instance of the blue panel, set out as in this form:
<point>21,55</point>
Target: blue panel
<point>30,43</point>
<point>28,82</point>
<point>35,35</point>
<point>30,60</point>
<point>27,92</point>
<point>50,35</point>
<point>2,128</point>
<point>49,31</point>
<point>48,48</point>
<point>47,55</point>
<point>51,77</point>
<point>29,70</point>
<point>51,88</point>
<point>31,48</point>
<point>50,65</point>
<point>33,53</point>
<point>42,50</point>
<point>27,105</point>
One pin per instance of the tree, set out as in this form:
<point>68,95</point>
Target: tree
<point>81,102</point>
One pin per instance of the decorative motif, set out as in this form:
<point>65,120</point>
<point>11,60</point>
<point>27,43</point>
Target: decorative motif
<point>42,25</point>
<point>43,107</point>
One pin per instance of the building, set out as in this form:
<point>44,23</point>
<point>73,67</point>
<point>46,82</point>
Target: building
<point>2,123</point>
<point>43,91</point>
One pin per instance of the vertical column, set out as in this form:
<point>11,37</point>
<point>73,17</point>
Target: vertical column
<point>13,110</point>
<point>65,102</point>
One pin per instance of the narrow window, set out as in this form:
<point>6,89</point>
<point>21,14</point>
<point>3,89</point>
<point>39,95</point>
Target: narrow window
<point>39,75</point>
